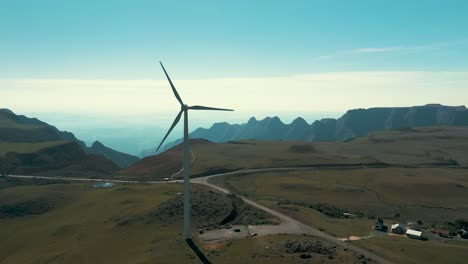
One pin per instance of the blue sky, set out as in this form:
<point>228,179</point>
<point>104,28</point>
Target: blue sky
<point>213,39</point>
<point>93,64</point>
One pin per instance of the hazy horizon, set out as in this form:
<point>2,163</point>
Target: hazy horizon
<point>133,135</point>
<point>91,65</point>
<point>145,132</point>
<point>377,173</point>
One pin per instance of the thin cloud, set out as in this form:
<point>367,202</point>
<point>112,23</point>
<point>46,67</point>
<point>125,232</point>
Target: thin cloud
<point>376,50</point>
<point>414,48</point>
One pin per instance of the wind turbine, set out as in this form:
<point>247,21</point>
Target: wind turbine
<point>184,109</point>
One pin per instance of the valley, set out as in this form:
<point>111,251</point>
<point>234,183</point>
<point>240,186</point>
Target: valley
<point>233,132</point>
<point>281,190</point>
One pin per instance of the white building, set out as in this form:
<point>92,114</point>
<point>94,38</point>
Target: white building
<point>414,234</point>
<point>398,229</point>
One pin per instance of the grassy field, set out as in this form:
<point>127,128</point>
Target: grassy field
<point>76,223</point>
<point>80,229</point>
<point>432,195</point>
<point>338,227</point>
<point>6,147</point>
<point>403,250</point>
<point>415,146</point>
<point>444,146</point>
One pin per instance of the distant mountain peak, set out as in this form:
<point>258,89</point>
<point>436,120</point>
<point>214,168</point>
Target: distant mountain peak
<point>299,121</point>
<point>6,110</point>
<point>252,120</point>
<point>445,106</point>
<point>272,120</point>
<point>220,124</point>
<point>432,105</point>
<point>276,119</point>
<point>123,160</point>
<point>97,144</point>
<point>354,123</point>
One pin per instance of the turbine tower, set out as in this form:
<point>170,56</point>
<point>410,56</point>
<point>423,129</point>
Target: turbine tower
<point>184,109</point>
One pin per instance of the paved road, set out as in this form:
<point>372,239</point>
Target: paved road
<point>292,225</point>
<point>161,181</point>
<point>192,160</point>
<point>70,179</point>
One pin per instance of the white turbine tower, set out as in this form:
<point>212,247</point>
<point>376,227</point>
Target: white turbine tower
<point>184,109</point>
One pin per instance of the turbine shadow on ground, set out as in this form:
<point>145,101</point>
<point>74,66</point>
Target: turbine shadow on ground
<point>197,251</point>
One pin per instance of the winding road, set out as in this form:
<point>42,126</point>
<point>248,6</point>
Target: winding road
<point>293,225</point>
<point>290,224</point>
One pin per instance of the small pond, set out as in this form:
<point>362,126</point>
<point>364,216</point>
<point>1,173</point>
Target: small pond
<point>103,185</point>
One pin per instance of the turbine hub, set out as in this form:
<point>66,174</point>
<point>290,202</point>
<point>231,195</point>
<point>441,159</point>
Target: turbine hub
<point>184,107</point>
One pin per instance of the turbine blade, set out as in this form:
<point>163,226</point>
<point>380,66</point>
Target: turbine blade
<point>172,85</point>
<point>176,120</point>
<point>199,107</point>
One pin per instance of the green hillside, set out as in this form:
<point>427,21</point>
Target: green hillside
<point>76,223</point>
<point>6,147</point>
<point>58,158</point>
<point>436,146</point>
<point>24,130</point>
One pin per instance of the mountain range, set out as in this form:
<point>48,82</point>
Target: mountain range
<point>353,123</point>
<point>121,159</point>
<point>29,133</point>
<point>424,146</point>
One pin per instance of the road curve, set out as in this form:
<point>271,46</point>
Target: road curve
<point>295,224</point>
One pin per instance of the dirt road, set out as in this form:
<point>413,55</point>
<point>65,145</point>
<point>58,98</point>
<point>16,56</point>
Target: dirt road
<point>291,225</point>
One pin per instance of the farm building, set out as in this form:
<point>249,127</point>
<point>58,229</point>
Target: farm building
<point>414,234</point>
<point>379,225</point>
<point>398,229</point>
<point>443,233</point>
